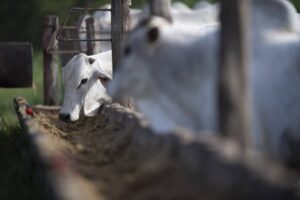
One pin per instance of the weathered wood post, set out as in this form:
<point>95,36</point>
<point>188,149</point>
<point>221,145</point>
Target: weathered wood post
<point>50,24</point>
<point>119,27</point>
<point>234,96</point>
<point>90,33</point>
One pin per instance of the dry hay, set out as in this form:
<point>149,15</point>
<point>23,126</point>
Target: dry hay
<point>125,160</point>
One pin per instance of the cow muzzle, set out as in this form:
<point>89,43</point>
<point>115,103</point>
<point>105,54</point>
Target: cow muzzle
<point>64,117</point>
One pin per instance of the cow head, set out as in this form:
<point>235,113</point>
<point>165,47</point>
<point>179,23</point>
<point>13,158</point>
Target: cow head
<point>84,87</point>
<point>133,77</point>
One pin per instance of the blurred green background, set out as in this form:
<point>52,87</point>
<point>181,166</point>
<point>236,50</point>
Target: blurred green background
<point>20,20</point>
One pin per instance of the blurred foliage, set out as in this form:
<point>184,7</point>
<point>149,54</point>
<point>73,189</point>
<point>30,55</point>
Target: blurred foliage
<point>21,20</point>
<point>297,4</point>
<point>20,177</point>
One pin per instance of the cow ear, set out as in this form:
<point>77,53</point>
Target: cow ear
<point>91,60</point>
<point>104,73</point>
<point>153,34</point>
<point>94,98</point>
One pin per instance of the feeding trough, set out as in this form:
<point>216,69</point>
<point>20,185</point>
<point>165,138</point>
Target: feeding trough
<point>116,156</point>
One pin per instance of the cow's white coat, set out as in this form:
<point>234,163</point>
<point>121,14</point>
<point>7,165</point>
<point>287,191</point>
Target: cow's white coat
<point>174,79</point>
<point>87,97</point>
<point>179,6</point>
<point>201,4</point>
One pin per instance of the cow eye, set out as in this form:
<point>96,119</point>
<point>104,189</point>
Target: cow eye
<point>127,51</point>
<point>83,81</point>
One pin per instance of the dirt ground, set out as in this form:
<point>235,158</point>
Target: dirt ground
<point>124,160</point>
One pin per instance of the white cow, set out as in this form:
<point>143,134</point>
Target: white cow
<point>173,78</point>
<point>183,16</point>
<point>81,29</point>
<point>102,26</point>
<point>84,79</point>
<point>180,7</point>
<point>201,4</point>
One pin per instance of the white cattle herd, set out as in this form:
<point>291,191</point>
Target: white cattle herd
<point>203,14</point>
<point>170,69</point>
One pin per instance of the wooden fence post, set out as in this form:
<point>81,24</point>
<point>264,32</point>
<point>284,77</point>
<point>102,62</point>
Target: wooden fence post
<point>50,24</point>
<point>119,27</point>
<point>234,94</point>
<point>90,35</point>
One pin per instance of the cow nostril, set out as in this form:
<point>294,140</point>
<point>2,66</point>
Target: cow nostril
<point>64,117</point>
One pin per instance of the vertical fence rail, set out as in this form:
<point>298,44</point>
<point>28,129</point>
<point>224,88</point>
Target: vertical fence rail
<point>234,97</point>
<point>90,35</point>
<point>50,25</point>
<point>120,24</point>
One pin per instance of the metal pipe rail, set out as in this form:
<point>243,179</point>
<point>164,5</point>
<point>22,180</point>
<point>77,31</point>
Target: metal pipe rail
<point>61,38</point>
<point>58,34</point>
